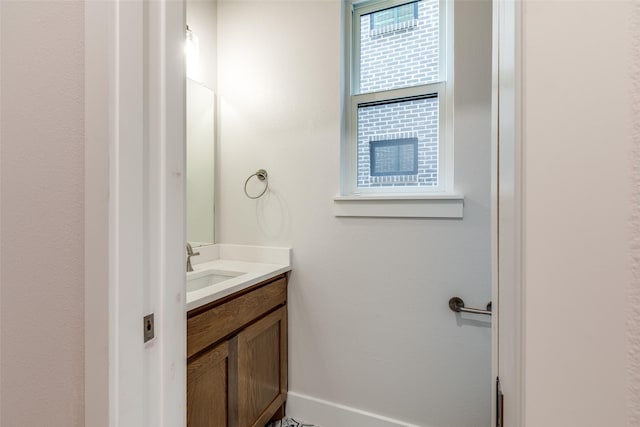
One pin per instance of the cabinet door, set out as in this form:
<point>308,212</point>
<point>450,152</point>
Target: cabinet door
<point>262,369</point>
<point>207,385</point>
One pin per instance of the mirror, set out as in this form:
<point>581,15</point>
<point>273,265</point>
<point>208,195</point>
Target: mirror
<point>200,163</point>
<point>201,65</point>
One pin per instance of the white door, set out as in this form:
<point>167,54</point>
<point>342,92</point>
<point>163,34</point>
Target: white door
<point>135,189</point>
<point>507,332</point>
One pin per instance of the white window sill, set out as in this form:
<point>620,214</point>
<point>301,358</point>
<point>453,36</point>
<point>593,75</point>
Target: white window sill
<point>400,206</point>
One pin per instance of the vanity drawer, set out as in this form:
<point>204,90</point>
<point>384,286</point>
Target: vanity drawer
<point>209,327</point>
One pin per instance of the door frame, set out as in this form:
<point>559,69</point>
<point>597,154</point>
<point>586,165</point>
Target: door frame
<point>135,211</point>
<point>507,216</point>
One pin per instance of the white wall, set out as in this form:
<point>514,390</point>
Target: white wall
<point>41,199</point>
<point>369,322</point>
<point>201,19</point>
<point>578,166</point>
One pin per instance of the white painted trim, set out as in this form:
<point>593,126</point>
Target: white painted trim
<point>446,139</point>
<point>126,288</point>
<point>0,213</point>
<point>428,206</point>
<point>134,213</point>
<point>495,321</point>
<point>346,83</point>
<point>402,197</point>
<point>510,296</point>
<point>166,212</point>
<point>324,413</point>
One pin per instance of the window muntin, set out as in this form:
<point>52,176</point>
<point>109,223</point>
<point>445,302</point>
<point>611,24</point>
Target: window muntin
<point>393,80</point>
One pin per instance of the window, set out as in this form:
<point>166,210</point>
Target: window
<point>398,99</point>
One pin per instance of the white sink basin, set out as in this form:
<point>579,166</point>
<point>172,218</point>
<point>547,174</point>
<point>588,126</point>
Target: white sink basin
<point>202,279</point>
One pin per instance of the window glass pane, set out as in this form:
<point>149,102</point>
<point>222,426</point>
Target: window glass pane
<point>398,144</point>
<point>397,50</point>
<point>405,12</point>
<point>382,18</point>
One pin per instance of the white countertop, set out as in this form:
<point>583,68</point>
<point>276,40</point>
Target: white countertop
<point>244,260</point>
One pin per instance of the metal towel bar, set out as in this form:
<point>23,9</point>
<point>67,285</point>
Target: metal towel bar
<point>456,304</point>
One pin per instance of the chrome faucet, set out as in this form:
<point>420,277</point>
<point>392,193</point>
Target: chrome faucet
<point>190,253</point>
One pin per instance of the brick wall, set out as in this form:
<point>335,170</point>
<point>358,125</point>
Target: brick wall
<point>395,56</point>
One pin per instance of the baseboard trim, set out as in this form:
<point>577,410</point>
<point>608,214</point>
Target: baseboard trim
<point>329,414</point>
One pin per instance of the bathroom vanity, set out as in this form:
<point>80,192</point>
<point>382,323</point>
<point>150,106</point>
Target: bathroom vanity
<point>237,349</point>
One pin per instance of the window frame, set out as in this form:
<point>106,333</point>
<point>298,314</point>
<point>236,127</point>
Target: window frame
<point>353,98</point>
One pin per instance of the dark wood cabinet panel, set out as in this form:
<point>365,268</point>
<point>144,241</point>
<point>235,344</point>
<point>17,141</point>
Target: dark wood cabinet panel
<point>207,386</point>
<point>262,369</point>
<point>237,359</point>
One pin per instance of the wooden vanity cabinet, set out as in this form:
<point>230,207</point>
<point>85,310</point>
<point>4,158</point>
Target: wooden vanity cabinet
<point>237,358</point>
<point>207,387</point>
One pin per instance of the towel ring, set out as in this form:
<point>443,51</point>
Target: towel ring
<point>261,174</point>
